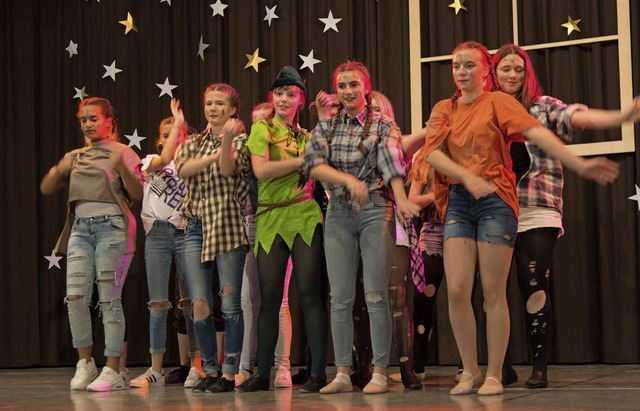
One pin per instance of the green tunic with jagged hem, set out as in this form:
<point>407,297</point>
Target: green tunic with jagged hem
<point>288,221</point>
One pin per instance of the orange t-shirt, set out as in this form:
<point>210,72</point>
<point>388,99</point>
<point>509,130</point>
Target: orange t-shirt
<point>477,136</point>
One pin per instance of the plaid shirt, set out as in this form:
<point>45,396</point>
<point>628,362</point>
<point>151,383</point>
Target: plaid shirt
<point>382,158</point>
<point>216,200</point>
<point>541,186</point>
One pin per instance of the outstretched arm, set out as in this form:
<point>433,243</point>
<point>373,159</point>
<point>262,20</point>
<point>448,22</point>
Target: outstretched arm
<point>598,169</point>
<point>600,119</point>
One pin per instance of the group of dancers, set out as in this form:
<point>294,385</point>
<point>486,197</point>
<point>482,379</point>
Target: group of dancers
<point>333,209</point>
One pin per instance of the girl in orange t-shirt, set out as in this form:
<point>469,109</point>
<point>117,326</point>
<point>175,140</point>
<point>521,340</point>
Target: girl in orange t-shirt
<point>467,142</point>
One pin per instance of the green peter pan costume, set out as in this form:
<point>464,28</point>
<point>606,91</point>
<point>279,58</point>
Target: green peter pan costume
<point>284,207</point>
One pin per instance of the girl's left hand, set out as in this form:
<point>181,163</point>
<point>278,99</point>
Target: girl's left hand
<point>116,161</point>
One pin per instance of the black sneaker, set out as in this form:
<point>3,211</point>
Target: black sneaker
<point>222,385</point>
<point>538,379</point>
<point>301,377</point>
<point>177,376</point>
<point>205,383</point>
<point>314,384</point>
<point>509,375</point>
<point>254,384</point>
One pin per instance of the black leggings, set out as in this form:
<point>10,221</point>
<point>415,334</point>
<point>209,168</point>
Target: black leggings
<point>307,264</point>
<point>534,255</point>
<point>401,320</point>
<point>424,308</point>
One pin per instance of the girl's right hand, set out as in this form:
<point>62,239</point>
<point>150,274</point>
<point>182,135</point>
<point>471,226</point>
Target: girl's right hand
<point>478,186</point>
<point>358,190</point>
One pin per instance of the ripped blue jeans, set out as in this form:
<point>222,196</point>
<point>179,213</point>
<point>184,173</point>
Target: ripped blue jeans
<point>352,232</point>
<point>200,279</point>
<point>97,253</point>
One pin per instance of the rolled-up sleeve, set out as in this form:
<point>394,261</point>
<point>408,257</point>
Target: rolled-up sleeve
<point>185,152</point>
<point>317,149</point>
<point>390,158</point>
<point>556,116</point>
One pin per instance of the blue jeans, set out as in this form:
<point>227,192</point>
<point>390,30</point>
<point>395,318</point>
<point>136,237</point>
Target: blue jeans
<point>200,278</point>
<point>351,232</point>
<point>97,253</point>
<point>164,242</point>
<point>488,219</point>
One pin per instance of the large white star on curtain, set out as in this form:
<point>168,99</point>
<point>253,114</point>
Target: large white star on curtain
<point>330,22</point>
<point>218,8</point>
<point>54,260</point>
<point>72,48</point>
<point>308,61</point>
<point>80,93</point>
<point>271,14</point>
<point>636,197</point>
<point>201,48</point>
<point>135,139</point>
<point>111,71</point>
<point>165,88</point>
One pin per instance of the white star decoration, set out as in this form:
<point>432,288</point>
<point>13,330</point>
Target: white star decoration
<point>72,48</point>
<point>308,61</point>
<point>271,14</point>
<point>165,88</point>
<point>166,1</point>
<point>54,260</point>
<point>111,71</point>
<point>330,22</point>
<point>636,197</point>
<point>135,139</point>
<point>80,93</point>
<point>218,8</point>
<point>201,48</point>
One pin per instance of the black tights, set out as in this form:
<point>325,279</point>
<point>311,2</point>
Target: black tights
<point>307,264</point>
<point>401,320</point>
<point>423,308</point>
<point>534,255</point>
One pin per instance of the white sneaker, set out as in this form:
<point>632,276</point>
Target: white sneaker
<point>148,379</point>
<point>283,378</point>
<point>193,378</point>
<point>86,372</point>
<point>242,376</point>
<point>108,380</point>
<point>125,376</point>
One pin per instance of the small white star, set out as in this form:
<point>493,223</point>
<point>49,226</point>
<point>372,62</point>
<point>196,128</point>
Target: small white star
<point>135,139</point>
<point>308,61</point>
<point>201,48</point>
<point>636,197</point>
<point>111,71</point>
<point>218,8</point>
<point>54,260</point>
<point>72,48</point>
<point>271,14</point>
<point>330,22</point>
<point>165,88</point>
<point>80,93</point>
<point>166,1</point>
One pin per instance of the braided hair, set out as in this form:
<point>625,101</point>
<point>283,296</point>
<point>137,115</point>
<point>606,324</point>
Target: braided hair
<point>489,86</point>
<point>366,77</point>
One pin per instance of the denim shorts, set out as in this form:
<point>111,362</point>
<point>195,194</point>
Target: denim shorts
<point>488,219</point>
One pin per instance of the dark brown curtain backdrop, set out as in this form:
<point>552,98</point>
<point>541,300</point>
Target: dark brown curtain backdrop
<point>595,278</point>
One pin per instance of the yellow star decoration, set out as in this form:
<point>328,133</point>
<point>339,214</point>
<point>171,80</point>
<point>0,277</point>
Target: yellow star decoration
<point>254,60</point>
<point>128,24</point>
<point>571,25</point>
<point>458,4</point>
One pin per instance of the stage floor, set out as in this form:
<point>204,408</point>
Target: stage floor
<point>572,387</point>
